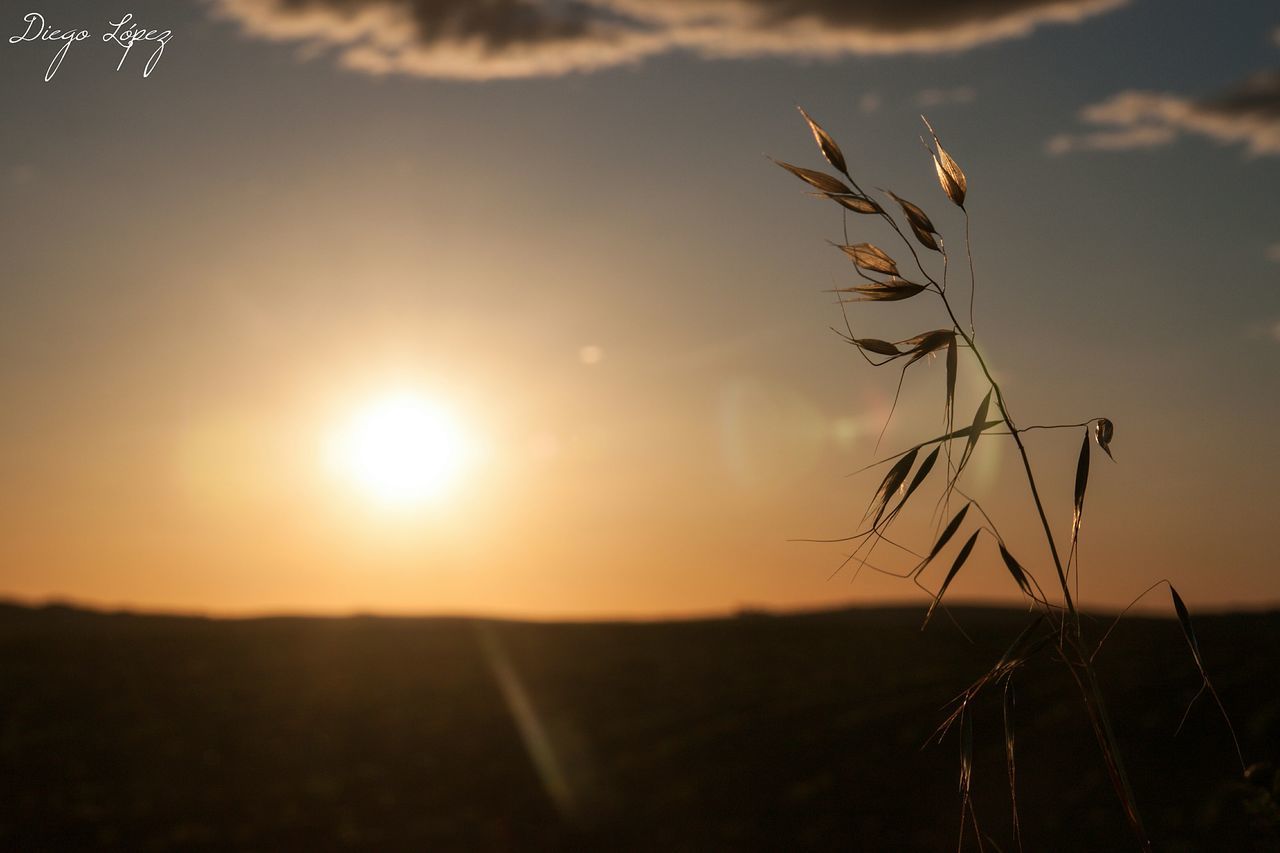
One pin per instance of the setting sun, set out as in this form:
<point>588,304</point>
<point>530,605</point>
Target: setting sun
<point>400,449</point>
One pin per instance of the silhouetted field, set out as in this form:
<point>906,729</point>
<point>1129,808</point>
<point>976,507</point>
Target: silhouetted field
<point>763,732</point>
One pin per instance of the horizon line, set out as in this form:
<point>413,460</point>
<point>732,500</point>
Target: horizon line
<point>743,611</point>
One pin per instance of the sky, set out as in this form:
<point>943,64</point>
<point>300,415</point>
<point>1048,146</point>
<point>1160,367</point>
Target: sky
<point>555,223</point>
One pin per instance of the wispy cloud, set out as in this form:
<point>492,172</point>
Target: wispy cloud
<point>464,39</point>
<point>1149,136</point>
<point>927,98</point>
<point>1248,115</point>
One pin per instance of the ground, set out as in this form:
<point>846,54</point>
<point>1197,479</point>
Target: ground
<point>764,732</point>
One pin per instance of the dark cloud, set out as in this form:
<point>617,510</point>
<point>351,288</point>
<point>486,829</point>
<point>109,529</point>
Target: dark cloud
<point>1247,115</point>
<point>483,39</point>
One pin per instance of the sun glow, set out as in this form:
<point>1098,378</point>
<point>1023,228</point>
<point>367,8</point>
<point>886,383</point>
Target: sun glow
<point>400,449</point>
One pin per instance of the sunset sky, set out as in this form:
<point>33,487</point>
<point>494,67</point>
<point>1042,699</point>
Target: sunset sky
<point>554,224</point>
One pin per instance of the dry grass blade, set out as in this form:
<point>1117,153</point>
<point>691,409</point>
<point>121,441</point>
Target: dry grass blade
<point>885,291</point>
<point>871,258</point>
<point>1082,483</point>
<point>1103,430</point>
<point>950,530</point>
<point>970,431</point>
<point>928,342</point>
<point>825,143</point>
<point>893,481</point>
<point>950,436</point>
<point>979,418</point>
<point>966,753</point>
<point>856,203</point>
<point>961,557</point>
<point>950,175</point>
<point>1184,619</point>
<point>925,467</point>
<point>926,239</point>
<point>921,474</point>
<point>877,346</point>
<point>1009,700</point>
<point>954,190</point>
<point>819,180</point>
<point>1015,569</point>
<point>1013,658</point>
<point>1011,655</point>
<point>919,221</point>
<point>966,780</point>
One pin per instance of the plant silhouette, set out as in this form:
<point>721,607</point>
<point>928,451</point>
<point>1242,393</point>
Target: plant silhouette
<point>1055,627</point>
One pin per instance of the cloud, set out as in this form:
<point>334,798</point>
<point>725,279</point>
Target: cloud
<point>1112,140</point>
<point>466,39</point>
<point>1247,115</point>
<point>1273,252</point>
<point>927,98</point>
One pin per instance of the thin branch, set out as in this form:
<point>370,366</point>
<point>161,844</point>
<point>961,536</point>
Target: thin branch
<point>973,281</point>
<point>1122,613</point>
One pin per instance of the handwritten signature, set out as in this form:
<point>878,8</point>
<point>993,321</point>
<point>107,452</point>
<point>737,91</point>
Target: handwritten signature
<point>124,33</point>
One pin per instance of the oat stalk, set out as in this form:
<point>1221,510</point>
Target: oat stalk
<point>1057,625</point>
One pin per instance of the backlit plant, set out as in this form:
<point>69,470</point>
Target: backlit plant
<point>1055,626</point>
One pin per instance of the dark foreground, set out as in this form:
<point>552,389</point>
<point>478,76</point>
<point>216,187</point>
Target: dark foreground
<point>122,732</point>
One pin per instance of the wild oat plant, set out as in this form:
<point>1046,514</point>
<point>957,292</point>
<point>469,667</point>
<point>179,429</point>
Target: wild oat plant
<point>1055,628</point>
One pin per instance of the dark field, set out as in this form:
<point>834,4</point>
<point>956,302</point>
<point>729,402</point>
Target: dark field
<point>773,733</point>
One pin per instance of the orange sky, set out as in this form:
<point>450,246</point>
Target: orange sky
<point>210,270</point>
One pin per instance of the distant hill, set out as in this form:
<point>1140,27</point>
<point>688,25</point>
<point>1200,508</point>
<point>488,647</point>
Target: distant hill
<point>763,732</point>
